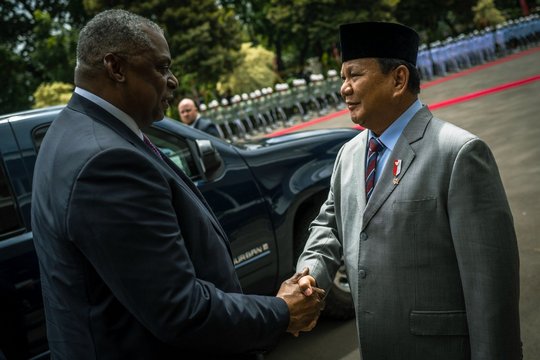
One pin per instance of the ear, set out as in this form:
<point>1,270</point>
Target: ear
<point>115,67</point>
<point>401,79</point>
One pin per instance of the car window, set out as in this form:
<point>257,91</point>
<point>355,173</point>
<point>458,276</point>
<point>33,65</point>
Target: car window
<point>9,219</point>
<point>176,149</point>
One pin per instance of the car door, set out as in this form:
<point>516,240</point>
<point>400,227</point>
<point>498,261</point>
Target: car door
<point>234,197</point>
<point>22,326</point>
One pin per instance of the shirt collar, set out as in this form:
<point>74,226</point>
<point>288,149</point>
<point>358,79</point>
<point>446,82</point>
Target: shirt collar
<point>391,135</point>
<point>113,110</point>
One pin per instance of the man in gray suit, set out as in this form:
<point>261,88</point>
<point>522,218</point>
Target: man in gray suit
<point>134,263</point>
<point>418,211</point>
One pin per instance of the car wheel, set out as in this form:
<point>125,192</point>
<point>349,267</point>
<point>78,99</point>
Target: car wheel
<point>339,304</point>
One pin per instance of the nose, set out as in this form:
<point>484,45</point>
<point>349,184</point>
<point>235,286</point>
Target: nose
<point>345,89</point>
<point>172,82</point>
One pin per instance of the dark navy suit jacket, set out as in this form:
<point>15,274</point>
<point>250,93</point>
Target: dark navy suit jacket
<point>134,264</point>
<point>207,126</point>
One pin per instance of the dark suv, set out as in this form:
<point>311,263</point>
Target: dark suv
<point>264,193</point>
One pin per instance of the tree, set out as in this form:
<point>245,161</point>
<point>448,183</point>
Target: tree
<point>300,29</point>
<point>36,45</point>
<point>513,8</point>
<point>436,19</point>
<point>203,36</point>
<point>15,96</point>
<point>53,50</point>
<point>49,94</point>
<point>38,37</point>
<point>205,39</point>
<point>486,14</point>
<point>17,18</point>
<point>255,71</point>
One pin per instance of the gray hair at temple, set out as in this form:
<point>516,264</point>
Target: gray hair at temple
<point>113,31</point>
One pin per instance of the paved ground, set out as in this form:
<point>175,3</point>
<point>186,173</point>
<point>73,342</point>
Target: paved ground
<point>509,121</point>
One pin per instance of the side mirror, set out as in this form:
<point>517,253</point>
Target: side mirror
<point>211,162</point>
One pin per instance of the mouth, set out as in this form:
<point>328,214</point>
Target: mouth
<point>352,105</point>
<point>166,102</point>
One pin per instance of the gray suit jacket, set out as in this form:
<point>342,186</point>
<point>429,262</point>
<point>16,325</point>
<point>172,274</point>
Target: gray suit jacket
<point>432,258</point>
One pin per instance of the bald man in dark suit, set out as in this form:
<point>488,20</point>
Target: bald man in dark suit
<point>189,115</point>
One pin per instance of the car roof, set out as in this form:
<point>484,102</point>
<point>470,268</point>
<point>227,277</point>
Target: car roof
<point>31,113</point>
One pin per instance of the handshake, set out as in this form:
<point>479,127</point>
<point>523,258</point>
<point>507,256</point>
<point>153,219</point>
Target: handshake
<point>305,301</point>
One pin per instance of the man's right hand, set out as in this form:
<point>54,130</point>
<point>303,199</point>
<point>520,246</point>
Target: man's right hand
<point>304,310</point>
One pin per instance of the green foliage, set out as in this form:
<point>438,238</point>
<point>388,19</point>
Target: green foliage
<point>53,53</point>
<point>17,18</point>
<point>49,94</point>
<point>436,19</point>
<point>16,90</point>
<point>37,44</point>
<point>300,29</point>
<point>38,37</point>
<point>486,14</point>
<point>255,71</point>
<point>204,38</point>
<point>512,9</point>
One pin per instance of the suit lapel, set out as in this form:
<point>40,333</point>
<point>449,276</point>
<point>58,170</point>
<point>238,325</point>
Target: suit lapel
<point>97,113</point>
<point>361,169</point>
<point>195,190</point>
<point>100,115</point>
<point>403,151</point>
<point>385,185</point>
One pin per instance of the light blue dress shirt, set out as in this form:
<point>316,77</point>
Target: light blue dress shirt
<point>391,135</point>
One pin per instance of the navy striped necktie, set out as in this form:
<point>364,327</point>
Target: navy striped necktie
<point>375,147</point>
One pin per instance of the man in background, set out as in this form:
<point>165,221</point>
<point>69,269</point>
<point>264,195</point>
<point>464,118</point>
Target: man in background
<point>190,116</point>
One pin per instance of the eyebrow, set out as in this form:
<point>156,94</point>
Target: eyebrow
<point>347,69</point>
<point>164,58</point>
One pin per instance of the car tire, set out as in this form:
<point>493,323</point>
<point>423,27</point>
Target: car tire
<point>339,304</point>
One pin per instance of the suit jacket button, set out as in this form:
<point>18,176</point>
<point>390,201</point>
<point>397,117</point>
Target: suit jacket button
<point>363,236</point>
<point>362,274</point>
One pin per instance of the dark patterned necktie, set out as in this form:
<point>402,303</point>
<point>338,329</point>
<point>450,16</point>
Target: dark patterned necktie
<point>151,146</point>
<point>373,152</point>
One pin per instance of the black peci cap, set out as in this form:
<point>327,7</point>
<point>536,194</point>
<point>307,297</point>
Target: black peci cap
<point>378,40</point>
